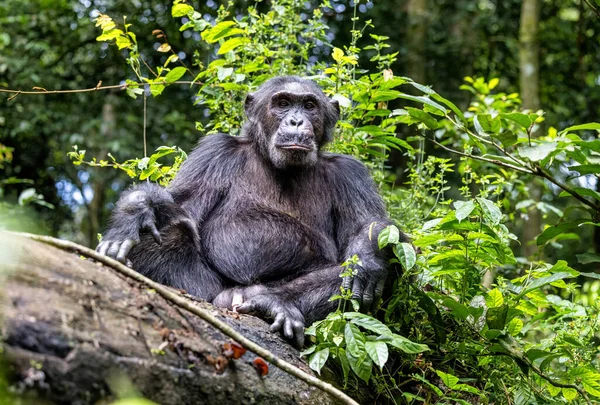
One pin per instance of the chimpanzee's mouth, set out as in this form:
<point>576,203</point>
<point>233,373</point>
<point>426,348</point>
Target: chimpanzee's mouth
<point>294,146</point>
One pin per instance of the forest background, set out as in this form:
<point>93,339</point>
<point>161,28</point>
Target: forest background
<point>513,92</point>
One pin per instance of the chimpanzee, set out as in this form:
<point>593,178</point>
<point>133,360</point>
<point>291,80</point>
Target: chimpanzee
<point>261,222</point>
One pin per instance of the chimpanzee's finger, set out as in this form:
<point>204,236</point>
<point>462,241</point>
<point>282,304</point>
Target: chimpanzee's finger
<point>278,322</point>
<point>298,333</point>
<point>236,300</point>
<point>288,331</point>
<point>378,291</point>
<point>367,299</point>
<point>113,249</point>
<point>347,283</point>
<point>124,250</point>
<point>149,225</point>
<point>357,289</point>
<point>246,308</point>
<point>103,247</point>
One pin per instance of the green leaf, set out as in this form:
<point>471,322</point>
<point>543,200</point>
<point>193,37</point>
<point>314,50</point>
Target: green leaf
<point>569,393</point>
<point>108,35</point>
<point>587,258</point>
<point>490,210</point>
<point>232,43</point>
<point>318,359</point>
<point>406,255</point>
<point>388,236</point>
<point>463,209</point>
<point>542,281</point>
<point>378,352</point>
<point>582,191</point>
<point>524,396</point>
<point>514,326</point>
<point>448,379</point>
<point>361,365</point>
<point>452,106</point>
<point>553,231</point>
<point>586,169</point>
<point>355,340</point>
<point>156,89</point>
<point>591,125</point>
<point>224,72</point>
<point>423,117</point>
<point>424,100</point>
<point>175,74</point>
<point>537,152</point>
<point>219,31</point>
<point>496,317</point>
<point>521,119</point>
<point>367,322</point>
<point>507,138</point>
<point>404,344</point>
<point>384,95</point>
<point>494,298</point>
<point>181,10</point>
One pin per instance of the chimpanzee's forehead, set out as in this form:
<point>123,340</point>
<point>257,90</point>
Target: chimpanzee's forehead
<point>301,87</point>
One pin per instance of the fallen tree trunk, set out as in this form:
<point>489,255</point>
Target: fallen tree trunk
<point>75,331</point>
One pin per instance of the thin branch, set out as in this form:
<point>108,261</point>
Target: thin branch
<point>181,302</point>
<point>541,173</point>
<point>493,161</point>
<point>537,172</point>
<point>592,7</point>
<point>111,87</point>
<point>145,124</point>
<point>561,385</point>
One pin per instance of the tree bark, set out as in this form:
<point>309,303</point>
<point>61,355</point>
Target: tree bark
<point>76,332</point>
<point>529,66</point>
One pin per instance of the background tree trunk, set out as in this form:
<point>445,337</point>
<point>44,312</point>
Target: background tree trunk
<point>529,70</point>
<point>74,331</point>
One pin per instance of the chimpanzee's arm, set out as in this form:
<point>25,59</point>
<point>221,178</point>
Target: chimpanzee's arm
<point>149,208</point>
<point>359,217</point>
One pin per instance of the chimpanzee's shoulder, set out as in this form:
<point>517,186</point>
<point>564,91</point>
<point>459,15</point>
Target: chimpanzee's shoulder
<point>345,166</point>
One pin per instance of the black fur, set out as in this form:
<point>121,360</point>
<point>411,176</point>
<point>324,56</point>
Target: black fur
<point>267,224</point>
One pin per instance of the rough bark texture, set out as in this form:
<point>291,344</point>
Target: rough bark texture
<point>75,332</point>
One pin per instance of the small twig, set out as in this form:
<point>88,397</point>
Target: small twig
<point>541,173</point>
<point>592,7</point>
<point>181,302</point>
<point>561,385</point>
<point>98,87</point>
<point>145,124</point>
<point>493,161</point>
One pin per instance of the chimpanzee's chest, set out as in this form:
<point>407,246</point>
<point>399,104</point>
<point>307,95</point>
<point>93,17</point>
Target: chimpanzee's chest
<point>270,234</point>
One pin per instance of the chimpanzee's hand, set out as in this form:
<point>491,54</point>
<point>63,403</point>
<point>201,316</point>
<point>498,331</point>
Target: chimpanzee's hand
<point>134,214</point>
<point>286,317</point>
<point>366,287</point>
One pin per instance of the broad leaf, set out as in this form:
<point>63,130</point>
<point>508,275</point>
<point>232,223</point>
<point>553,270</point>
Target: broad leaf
<point>537,152</point>
<point>406,255</point>
<point>318,359</point>
<point>463,209</point>
<point>388,235</point>
<point>378,352</point>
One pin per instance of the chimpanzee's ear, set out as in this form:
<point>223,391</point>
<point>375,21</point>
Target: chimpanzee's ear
<point>336,106</point>
<point>249,102</point>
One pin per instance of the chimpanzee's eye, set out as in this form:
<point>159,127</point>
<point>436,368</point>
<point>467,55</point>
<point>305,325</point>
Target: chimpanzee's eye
<point>284,103</point>
<point>309,105</point>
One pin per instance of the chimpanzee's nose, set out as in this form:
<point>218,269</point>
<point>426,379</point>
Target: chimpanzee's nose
<point>296,122</point>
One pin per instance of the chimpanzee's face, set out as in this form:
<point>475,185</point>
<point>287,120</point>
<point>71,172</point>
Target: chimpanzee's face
<point>295,140</point>
<point>295,120</point>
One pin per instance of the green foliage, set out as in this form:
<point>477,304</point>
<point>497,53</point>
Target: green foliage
<point>147,168</point>
<point>467,320</point>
